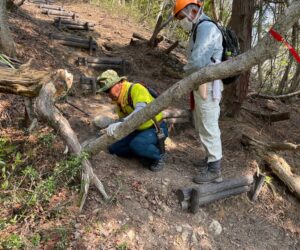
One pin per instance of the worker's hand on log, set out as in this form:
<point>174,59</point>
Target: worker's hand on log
<point>112,127</point>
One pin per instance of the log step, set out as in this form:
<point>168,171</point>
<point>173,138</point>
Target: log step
<point>197,200</point>
<point>104,63</point>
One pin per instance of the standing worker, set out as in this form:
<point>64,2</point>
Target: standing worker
<point>205,48</point>
<point>147,142</point>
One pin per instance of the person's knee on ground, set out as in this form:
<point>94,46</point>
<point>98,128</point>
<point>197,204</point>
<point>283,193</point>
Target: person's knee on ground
<point>145,146</point>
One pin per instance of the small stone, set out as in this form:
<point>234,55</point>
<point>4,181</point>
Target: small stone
<point>187,226</point>
<point>76,235</point>
<point>77,225</point>
<point>165,181</point>
<point>178,229</point>
<point>131,234</point>
<point>150,218</point>
<point>215,227</point>
<point>185,235</point>
<point>194,239</point>
<point>166,209</point>
<point>201,216</point>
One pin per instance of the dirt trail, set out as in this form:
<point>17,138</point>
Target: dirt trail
<point>145,213</point>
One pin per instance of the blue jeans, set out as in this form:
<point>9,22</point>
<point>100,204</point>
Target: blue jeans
<point>139,143</point>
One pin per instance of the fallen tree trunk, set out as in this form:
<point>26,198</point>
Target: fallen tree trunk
<point>277,164</point>
<point>270,117</point>
<point>273,146</point>
<point>266,48</point>
<point>24,82</point>
<point>47,88</point>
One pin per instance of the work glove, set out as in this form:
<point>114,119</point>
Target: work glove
<point>112,127</point>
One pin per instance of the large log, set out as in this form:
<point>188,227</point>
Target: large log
<point>75,27</point>
<point>198,200</point>
<point>270,117</point>
<point>73,22</point>
<point>101,60</point>
<point>60,13</point>
<point>24,82</point>
<point>212,188</point>
<point>89,44</point>
<point>103,63</point>
<point>51,7</point>
<point>72,38</point>
<point>184,194</point>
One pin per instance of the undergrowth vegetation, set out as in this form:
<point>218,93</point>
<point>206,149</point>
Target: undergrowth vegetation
<point>28,187</point>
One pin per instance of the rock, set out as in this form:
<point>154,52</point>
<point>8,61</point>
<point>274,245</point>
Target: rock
<point>185,235</point>
<point>76,235</point>
<point>102,121</point>
<point>178,229</point>
<point>215,227</point>
<point>201,216</point>
<point>77,225</point>
<point>166,209</point>
<point>150,218</point>
<point>165,181</point>
<point>131,234</point>
<point>194,239</point>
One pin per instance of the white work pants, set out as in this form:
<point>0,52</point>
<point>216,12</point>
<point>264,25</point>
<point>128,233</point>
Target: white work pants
<point>206,118</point>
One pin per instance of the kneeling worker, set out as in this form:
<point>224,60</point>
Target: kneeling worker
<point>147,142</point>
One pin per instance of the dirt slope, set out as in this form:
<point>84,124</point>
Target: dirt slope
<point>144,213</point>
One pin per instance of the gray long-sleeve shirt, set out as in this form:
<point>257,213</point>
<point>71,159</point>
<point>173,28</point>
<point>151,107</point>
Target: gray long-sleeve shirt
<point>208,44</point>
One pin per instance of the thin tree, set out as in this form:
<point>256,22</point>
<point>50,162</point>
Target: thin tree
<point>241,22</point>
<point>7,44</point>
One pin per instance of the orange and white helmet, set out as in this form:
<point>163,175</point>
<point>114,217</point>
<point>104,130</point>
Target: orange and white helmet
<point>181,5</point>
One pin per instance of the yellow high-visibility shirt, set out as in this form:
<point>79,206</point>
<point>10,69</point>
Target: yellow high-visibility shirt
<point>139,94</point>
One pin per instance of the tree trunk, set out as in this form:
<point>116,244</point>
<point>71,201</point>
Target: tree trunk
<point>295,82</point>
<point>241,23</point>
<point>284,81</point>
<point>7,45</point>
<point>267,48</point>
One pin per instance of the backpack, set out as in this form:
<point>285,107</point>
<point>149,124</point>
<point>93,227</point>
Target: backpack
<point>230,45</point>
<point>152,92</point>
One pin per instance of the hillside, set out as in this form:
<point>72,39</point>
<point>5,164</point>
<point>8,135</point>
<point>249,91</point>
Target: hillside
<point>144,212</point>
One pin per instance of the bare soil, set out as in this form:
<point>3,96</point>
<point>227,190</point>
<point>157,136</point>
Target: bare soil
<point>144,213</point>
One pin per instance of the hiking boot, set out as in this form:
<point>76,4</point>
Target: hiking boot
<point>207,177</point>
<point>211,174</point>
<point>202,165</point>
<point>158,165</point>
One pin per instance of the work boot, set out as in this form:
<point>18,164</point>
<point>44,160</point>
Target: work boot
<point>212,174</point>
<point>202,165</point>
<point>158,165</point>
